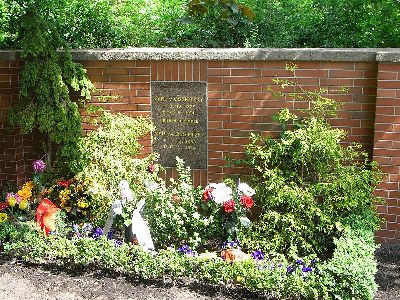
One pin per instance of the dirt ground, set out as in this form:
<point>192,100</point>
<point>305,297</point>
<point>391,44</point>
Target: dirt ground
<point>19,281</point>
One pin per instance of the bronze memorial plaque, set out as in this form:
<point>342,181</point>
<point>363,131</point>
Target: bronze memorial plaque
<point>179,112</point>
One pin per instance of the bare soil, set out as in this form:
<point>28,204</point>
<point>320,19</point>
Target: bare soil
<point>19,281</point>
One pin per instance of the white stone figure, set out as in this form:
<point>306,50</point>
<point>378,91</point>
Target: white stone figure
<point>126,194</point>
<point>140,229</point>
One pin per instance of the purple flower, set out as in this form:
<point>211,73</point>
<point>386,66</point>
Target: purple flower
<point>117,243</point>
<point>307,269</point>
<point>231,244</point>
<point>39,166</point>
<point>300,262</point>
<point>290,269</point>
<point>257,255</point>
<point>185,249</point>
<point>97,233</point>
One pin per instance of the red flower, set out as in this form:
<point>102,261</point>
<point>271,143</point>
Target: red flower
<point>151,168</point>
<point>207,194</point>
<point>246,201</point>
<point>64,183</point>
<point>3,205</point>
<point>229,206</point>
<point>46,215</point>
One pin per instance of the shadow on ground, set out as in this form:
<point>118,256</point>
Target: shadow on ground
<point>388,275</point>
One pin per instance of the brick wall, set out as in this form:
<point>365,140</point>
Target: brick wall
<point>387,148</point>
<point>238,102</point>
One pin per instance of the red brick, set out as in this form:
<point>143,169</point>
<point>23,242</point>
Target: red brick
<point>153,70</point>
<point>238,64</point>
<point>196,71</point>
<point>248,80</point>
<point>389,67</point>
<point>182,72</point>
<point>242,126</point>
<point>270,64</point>
<point>122,64</point>
<point>219,72</point>
<point>215,79</point>
<point>394,84</point>
<point>284,73</point>
<point>246,72</point>
<point>189,71</point>
<point>336,82</point>
<point>338,65</point>
<point>381,93</point>
<point>203,71</point>
<point>214,64</point>
<point>346,74</point>
<point>245,88</point>
<point>387,75</point>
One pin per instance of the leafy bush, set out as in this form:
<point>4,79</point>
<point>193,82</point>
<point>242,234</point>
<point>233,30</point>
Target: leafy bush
<point>108,156</point>
<point>173,213</point>
<point>307,180</point>
<point>47,79</point>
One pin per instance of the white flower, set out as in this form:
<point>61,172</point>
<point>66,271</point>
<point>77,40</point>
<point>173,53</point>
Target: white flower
<point>245,189</point>
<point>123,185</point>
<point>221,193</point>
<point>150,185</point>
<point>196,215</point>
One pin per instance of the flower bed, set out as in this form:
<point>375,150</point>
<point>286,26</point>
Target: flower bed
<point>311,238</point>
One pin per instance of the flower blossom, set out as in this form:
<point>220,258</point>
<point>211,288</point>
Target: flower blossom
<point>221,193</point>
<point>229,206</point>
<point>3,217</point>
<point>257,255</point>
<point>246,201</point>
<point>245,189</point>
<point>39,166</point>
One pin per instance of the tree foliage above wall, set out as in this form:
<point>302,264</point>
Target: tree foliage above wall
<point>47,79</point>
<point>213,23</point>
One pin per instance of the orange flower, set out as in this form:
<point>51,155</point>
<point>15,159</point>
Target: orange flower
<point>46,215</point>
<point>231,255</point>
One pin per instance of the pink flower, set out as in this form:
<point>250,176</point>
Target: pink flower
<point>39,165</point>
<point>151,168</point>
<point>207,194</point>
<point>229,206</point>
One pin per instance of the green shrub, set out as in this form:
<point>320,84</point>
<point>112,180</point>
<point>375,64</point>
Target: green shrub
<point>307,180</point>
<point>108,156</point>
<point>172,213</point>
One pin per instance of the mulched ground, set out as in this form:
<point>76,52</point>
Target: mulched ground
<point>19,281</point>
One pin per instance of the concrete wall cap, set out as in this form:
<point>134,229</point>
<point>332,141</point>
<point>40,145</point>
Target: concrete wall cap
<point>230,54</point>
<point>389,56</point>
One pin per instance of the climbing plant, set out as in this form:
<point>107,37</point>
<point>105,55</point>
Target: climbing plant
<point>47,80</point>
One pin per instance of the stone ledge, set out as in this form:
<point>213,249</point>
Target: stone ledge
<point>231,54</point>
<point>389,56</point>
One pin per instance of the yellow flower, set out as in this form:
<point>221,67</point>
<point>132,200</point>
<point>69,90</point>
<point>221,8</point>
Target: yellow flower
<point>25,193</point>
<point>3,217</point>
<point>29,185</point>
<point>82,204</point>
<point>23,204</point>
<point>12,201</point>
